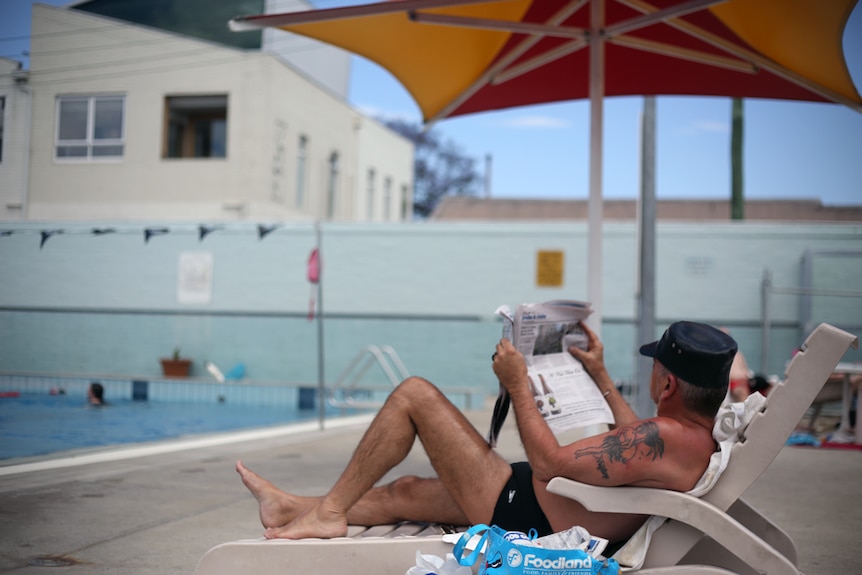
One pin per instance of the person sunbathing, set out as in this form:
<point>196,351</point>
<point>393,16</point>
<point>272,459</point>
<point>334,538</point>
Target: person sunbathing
<point>474,484</point>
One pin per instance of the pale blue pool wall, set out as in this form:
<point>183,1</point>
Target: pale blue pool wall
<point>158,389</point>
<point>108,304</point>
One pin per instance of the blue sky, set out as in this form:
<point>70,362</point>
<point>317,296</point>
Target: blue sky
<point>792,150</point>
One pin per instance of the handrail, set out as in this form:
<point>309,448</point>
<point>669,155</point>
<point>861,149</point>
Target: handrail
<point>390,352</point>
<point>767,290</point>
<point>368,353</point>
<point>347,381</point>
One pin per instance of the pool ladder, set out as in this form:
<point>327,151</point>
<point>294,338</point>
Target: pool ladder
<point>343,394</point>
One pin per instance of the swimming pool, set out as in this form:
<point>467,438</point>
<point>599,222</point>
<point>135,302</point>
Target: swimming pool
<point>42,424</point>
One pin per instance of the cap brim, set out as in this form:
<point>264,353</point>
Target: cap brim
<point>649,349</point>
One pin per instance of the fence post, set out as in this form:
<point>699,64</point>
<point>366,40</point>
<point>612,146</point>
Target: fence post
<point>765,287</point>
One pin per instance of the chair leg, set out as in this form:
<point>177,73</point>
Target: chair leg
<point>818,407</point>
<point>766,529</point>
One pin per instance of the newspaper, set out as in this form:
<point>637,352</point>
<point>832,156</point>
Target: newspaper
<point>565,393</point>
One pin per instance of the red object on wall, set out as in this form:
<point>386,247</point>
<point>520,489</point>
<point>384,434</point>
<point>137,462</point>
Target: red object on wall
<point>314,266</point>
<point>314,279</point>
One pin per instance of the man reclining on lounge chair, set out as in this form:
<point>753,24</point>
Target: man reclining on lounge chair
<point>475,485</point>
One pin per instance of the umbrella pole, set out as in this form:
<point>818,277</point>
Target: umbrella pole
<point>594,205</point>
<point>646,262</point>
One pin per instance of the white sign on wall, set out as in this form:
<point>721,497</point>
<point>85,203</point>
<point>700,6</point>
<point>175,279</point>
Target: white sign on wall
<point>195,279</point>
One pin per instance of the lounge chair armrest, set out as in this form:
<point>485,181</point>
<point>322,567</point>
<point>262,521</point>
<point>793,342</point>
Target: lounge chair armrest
<point>711,521</point>
<point>607,499</point>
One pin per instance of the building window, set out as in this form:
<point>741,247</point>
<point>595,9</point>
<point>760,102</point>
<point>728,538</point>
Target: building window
<point>2,122</point>
<point>278,161</point>
<point>90,127</point>
<point>387,198</point>
<point>301,169</point>
<point>405,203</point>
<point>196,127</point>
<point>332,185</point>
<point>369,196</point>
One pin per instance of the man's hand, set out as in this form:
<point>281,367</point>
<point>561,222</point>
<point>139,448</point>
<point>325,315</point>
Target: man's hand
<point>509,366</point>
<point>593,359</point>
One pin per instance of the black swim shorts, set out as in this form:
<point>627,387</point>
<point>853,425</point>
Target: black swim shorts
<point>517,508</point>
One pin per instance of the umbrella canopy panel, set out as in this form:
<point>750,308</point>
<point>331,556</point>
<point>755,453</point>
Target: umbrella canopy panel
<point>462,58</point>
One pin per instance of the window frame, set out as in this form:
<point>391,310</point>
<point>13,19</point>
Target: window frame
<point>210,110</point>
<point>387,198</point>
<point>369,194</point>
<point>301,170</point>
<point>333,171</point>
<point>405,202</point>
<point>90,141</point>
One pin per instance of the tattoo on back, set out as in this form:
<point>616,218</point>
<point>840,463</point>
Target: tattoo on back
<point>626,444</point>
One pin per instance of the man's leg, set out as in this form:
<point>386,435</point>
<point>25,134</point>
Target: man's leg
<point>408,498</point>
<point>471,472</point>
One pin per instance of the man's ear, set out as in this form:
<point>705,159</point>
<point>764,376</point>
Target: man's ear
<point>670,386</point>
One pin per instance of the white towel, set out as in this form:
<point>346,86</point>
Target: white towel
<point>730,420</point>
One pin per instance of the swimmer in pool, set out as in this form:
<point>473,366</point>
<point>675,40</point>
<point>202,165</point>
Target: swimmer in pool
<point>96,394</point>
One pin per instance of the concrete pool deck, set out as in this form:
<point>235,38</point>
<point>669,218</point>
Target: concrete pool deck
<point>158,511</point>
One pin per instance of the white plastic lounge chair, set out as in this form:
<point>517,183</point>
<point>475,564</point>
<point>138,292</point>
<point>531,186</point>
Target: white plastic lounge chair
<point>720,529</point>
<point>380,550</point>
<point>715,534</point>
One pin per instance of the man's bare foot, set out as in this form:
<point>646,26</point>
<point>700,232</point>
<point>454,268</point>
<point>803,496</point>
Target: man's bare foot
<point>316,522</point>
<point>277,508</point>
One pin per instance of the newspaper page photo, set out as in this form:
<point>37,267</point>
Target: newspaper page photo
<point>564,392</point>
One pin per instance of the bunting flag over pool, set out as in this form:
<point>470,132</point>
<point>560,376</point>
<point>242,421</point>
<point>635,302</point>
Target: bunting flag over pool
<point>201,230</point>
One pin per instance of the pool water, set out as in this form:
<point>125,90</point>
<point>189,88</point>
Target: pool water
<point>37,424</point>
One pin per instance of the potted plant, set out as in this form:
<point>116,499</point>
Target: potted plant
<point>176,366</point>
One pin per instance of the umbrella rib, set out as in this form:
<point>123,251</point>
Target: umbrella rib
<point>684,54</point>
<point>501,25</point>
<point>516,52</point>
<point>745,54</point>
<point>539,61</point>
<point>245,23</point>
<point>658,16</point>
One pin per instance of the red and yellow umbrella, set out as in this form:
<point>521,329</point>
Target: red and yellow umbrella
<point>458,57</point>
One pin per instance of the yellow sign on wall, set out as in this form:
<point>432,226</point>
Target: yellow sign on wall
<point>549,268</point>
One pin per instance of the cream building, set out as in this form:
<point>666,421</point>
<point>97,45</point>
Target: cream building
<point>131,122</point>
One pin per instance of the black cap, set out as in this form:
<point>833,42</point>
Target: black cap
<point>696,352</point>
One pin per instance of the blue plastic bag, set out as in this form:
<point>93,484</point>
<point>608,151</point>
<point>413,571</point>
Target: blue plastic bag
<point>505,557</point>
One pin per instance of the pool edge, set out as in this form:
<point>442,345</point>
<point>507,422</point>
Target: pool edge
<point>181,444</point>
